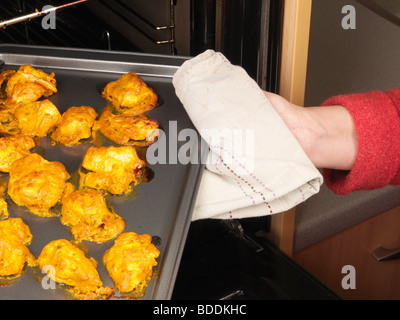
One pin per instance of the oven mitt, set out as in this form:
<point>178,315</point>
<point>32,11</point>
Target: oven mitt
<point>255,166</point>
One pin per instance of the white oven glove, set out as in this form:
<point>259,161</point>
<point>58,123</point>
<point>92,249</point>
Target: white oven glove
<point>256,166</point>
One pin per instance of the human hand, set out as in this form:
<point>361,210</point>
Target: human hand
<point>326,134</point>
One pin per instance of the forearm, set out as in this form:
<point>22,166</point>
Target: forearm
<point>332,139</point>
<point>356,145</point>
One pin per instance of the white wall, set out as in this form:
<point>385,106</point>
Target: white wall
<point>345,61</point>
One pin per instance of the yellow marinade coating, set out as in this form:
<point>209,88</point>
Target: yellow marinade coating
<point>112,169</point>
<point>130,95</point>
<point>130,261</point>
<point>37,119</point>
<point>76,124</point>
<point>86,212</point>
<point>38,184</point>
<point>14,254</point>
<point>66,263</point>
<point>128,130</point>
<point>13,148</point>
<point>26,85</point>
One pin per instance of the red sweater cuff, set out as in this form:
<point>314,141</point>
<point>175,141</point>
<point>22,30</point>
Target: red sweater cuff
<point>377,123</point>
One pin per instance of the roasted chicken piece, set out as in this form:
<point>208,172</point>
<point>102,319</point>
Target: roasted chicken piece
<point>14,254</point>
<point>3,208</point>
<point>4,76</point>
<point>27,85</point>
<point>130,95</point>
<point>76,124</point>
<point>130,261</point>
<point>128,130</point>
<point>3,204</point>
<point>37,118</point>
<point>86,212</point>
<point>38,184</point>
<point>66,263</point>
<point>111,168</point>
<point>8,123</point>
<point>13,148</point>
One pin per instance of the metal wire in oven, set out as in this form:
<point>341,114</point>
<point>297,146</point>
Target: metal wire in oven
<point>16,13</point>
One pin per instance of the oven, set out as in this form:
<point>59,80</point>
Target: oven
<point>224,260</point>
<point>247,32</point>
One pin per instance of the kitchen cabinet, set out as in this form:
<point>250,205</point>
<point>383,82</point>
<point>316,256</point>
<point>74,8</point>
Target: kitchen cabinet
<point>373,279</point>
<point>294,54</point>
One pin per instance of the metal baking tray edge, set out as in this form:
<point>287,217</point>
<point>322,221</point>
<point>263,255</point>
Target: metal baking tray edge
<point>89,59</point>
<point>152,65</point>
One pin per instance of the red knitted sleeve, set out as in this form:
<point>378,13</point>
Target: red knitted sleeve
<point>377,122</point>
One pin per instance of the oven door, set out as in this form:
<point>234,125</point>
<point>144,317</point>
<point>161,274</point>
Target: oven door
<point>233,260</point>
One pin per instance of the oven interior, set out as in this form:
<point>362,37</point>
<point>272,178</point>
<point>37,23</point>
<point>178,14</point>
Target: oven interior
<point>76,27</point>
<point>246,31</point>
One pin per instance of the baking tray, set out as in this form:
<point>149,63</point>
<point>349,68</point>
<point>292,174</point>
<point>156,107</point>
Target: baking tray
<point>162,207</point>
